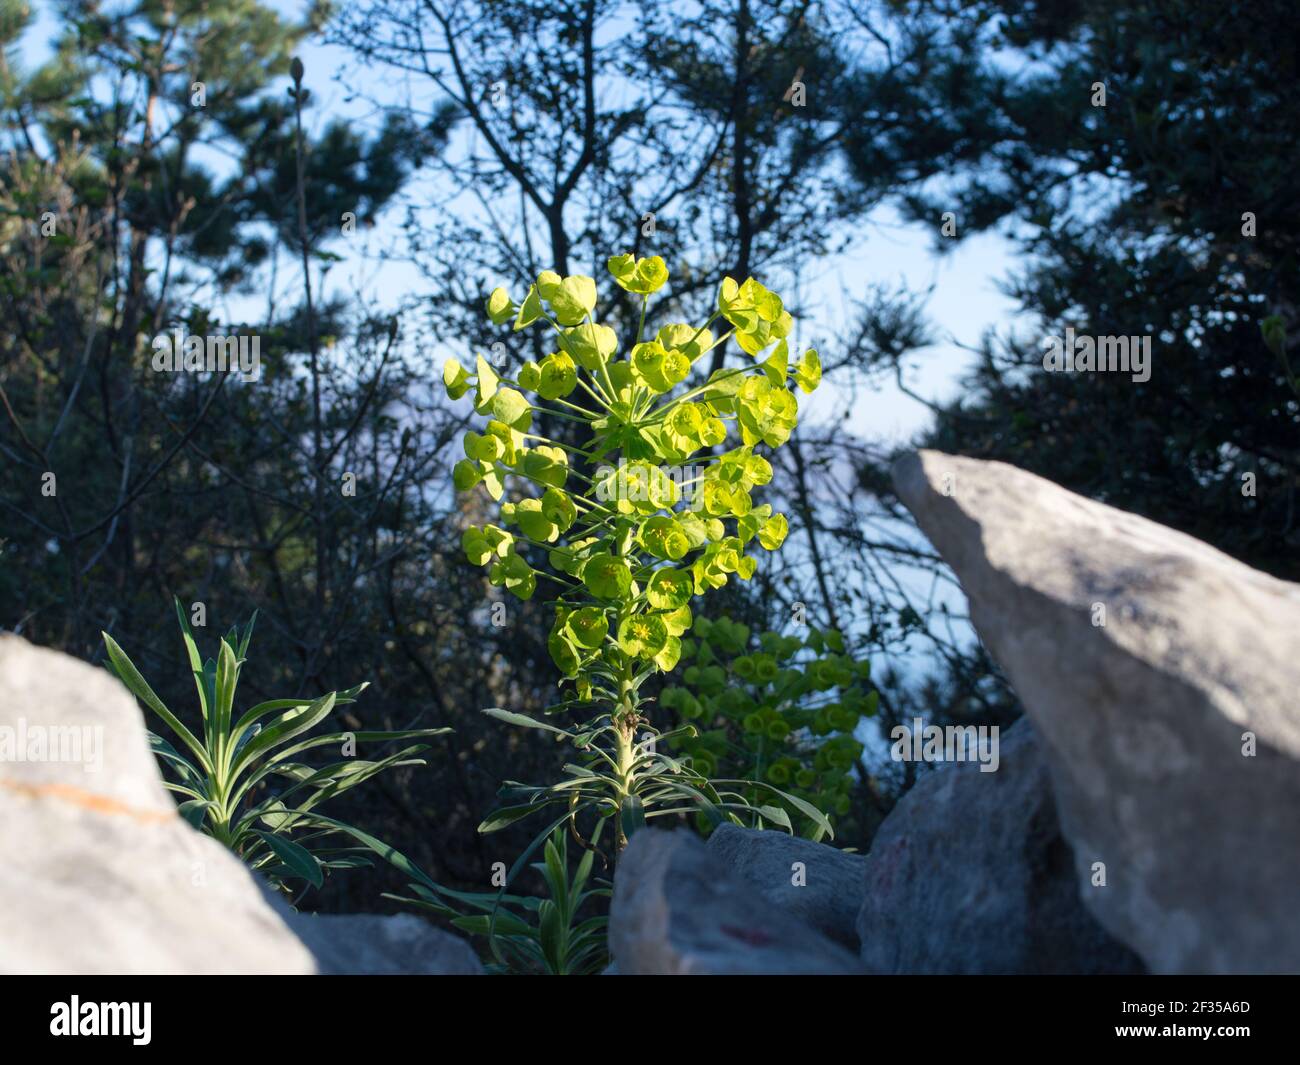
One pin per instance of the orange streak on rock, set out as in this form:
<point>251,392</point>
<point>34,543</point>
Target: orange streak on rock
<point>87,800</point>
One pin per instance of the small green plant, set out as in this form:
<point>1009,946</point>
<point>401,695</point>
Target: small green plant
<point>226,777</point>
<point>782,712</point>
<point>531,935</point>
<point>640,508</point>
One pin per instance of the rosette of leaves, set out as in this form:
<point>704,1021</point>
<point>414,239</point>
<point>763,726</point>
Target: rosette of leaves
<point>779,710</point>
<point>611,519</point>
<point>244,782</point>
<point>529,935</point>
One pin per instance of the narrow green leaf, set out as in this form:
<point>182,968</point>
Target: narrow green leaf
<point>196,664</point>
<point>633,815</point>
<point>522,720</point>
<point>195,811</point>
<point>297,858</point>
<point>291,723</point>
<point>508,815</point>
<point>248,636</point>
<point>130,676</point>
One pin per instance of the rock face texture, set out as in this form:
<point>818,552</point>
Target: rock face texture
<point>99,874</point>
<point>396,945</point>
<point>677,911</point>
<point>1162,678</point>
<point>969,874</point>
<point>813,883</point>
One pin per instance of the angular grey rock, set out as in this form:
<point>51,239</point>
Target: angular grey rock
<point>1147,720</point>
<point>99,874</point>
<point>677,911</point>
<point>770,862</point>
<point>969,874</point>
<point>383,944</point>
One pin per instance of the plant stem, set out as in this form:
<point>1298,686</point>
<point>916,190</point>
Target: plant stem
<point>645,302</point>
<point>625,717</point>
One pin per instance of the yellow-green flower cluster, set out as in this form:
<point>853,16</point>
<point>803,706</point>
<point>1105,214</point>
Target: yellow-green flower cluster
<point>601,507</point>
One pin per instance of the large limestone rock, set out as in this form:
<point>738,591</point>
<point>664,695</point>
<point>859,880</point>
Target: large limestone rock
<point>677,911</point>
<point>969,874</point>
<point>383,944</point>
<point>98,874</point>
<point>1172,730</point>
<point>817,885</point>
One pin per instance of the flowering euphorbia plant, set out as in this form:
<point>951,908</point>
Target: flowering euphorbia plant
<point>645,505</point>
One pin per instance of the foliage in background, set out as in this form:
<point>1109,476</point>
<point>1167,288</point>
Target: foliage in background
<point>776,709</point>
<point>243,783</point>
<point>1168,213</point>
<point>170,215</point>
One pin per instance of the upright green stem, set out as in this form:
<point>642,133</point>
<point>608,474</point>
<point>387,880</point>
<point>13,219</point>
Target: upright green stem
<point>645,302</point>
<point>625,750</point>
